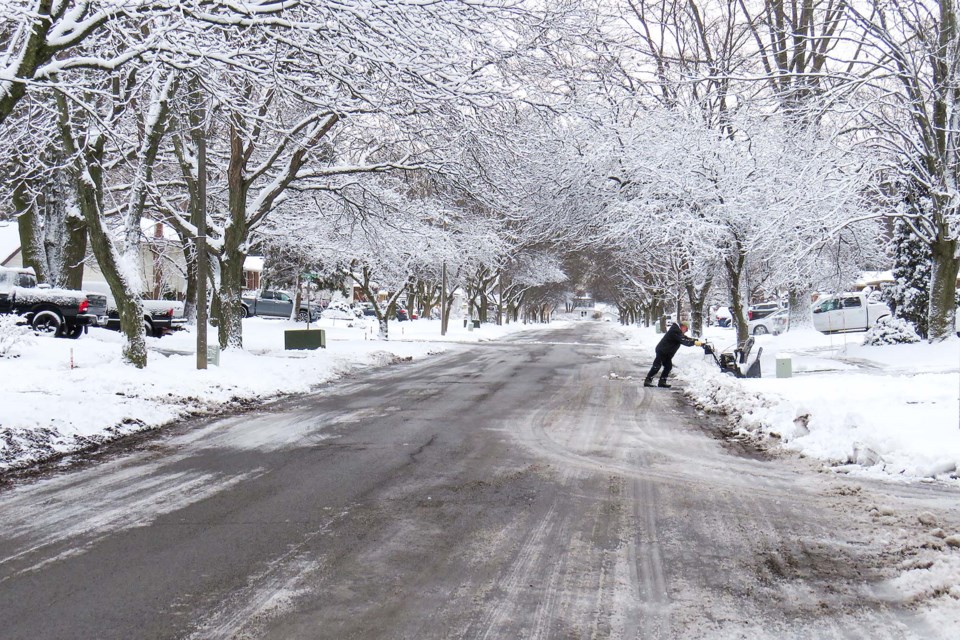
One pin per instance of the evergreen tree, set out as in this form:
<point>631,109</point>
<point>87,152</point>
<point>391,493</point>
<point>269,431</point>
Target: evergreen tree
<point>909,297</point>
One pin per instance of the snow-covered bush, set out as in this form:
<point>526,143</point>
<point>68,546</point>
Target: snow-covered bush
<point>14,333</point>
<point>891,330</point>
<point>338,310</point>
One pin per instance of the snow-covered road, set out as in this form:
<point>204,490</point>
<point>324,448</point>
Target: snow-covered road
<point>529,488</point>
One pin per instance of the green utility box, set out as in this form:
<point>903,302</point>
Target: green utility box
<point>304,339</point>
<point>784,367</point>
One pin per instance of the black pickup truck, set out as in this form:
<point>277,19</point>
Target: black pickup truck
<point>160,317</point>
<point>61,312</point>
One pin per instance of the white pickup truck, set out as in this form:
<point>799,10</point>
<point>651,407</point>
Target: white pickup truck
<point>852,311</point>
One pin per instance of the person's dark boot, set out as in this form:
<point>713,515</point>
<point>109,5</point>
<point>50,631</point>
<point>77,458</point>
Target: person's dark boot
<point>663,383</point>
<point>648,382</point>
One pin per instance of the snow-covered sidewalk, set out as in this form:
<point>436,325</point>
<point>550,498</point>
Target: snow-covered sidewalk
<point>890,411</point>
<point>61,396</point>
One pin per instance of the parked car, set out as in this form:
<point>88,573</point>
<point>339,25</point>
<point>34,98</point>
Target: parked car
<point>402,315</point>
<point>278,304</point>
<point>762,310</point>
<point>775,323</point>
<point>160,317</point>
<point>61,312</point>
<point>724,316</point>
<point>850,311</point>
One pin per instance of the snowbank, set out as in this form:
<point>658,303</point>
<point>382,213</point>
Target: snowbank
<point>888,411</point>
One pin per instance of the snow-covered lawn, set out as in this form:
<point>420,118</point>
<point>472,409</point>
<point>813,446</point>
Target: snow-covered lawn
<point>60,396</point>
<point>890,411</point>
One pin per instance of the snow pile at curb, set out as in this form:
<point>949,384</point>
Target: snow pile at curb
<point>886,425</point>
<point>718,392</point>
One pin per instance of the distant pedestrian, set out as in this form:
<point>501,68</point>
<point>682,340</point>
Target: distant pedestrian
<point>666,349</point>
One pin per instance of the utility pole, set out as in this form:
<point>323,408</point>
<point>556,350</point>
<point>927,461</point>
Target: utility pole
<point>200,222</point>
<point>443,289</point>
<point>443,299</point>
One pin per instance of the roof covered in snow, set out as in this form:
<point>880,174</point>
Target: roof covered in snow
<point>873,278</point>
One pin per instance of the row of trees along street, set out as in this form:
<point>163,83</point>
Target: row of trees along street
<point>660,153</point>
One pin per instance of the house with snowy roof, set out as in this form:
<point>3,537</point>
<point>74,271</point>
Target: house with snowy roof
<point>163,267</point>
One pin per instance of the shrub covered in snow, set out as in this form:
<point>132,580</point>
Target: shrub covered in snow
<point>338,310</point>
<point>891,330</point>
<point>14,333</point>
<point>909,296</point>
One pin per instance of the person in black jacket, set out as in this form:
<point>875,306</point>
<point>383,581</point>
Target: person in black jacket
<point>666,349</point>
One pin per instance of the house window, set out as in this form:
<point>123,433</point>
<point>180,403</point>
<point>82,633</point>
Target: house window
<point>253,280</point>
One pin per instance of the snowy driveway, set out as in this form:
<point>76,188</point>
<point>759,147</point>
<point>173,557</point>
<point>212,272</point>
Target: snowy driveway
<point>529,488</point>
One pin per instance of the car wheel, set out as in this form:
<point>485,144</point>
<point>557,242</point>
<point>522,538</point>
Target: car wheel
<point>48,322</point>
<point>148,328</point>
<point>75,331</point>
<point>302,317</point>
<point>246,312</point>
<point>760,330</point>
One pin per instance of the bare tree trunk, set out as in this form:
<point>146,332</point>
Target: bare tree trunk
<point>734,268</point>
<point>428,296</point>
<point>297,295</point>
<point>500,299</point>
<point>799,309</point>
<point>74,252</point>
<point>698,298</point>
<point>943,287</point>
<point>229,312</point>
<point>31,246</point>
<point>190,302</point>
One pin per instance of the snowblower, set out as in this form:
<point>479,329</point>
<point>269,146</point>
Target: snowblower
<point>740,363</point>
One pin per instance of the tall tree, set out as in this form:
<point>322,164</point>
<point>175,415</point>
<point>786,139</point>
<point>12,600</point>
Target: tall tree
<point>85,136</point>
<point>912,106</point>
